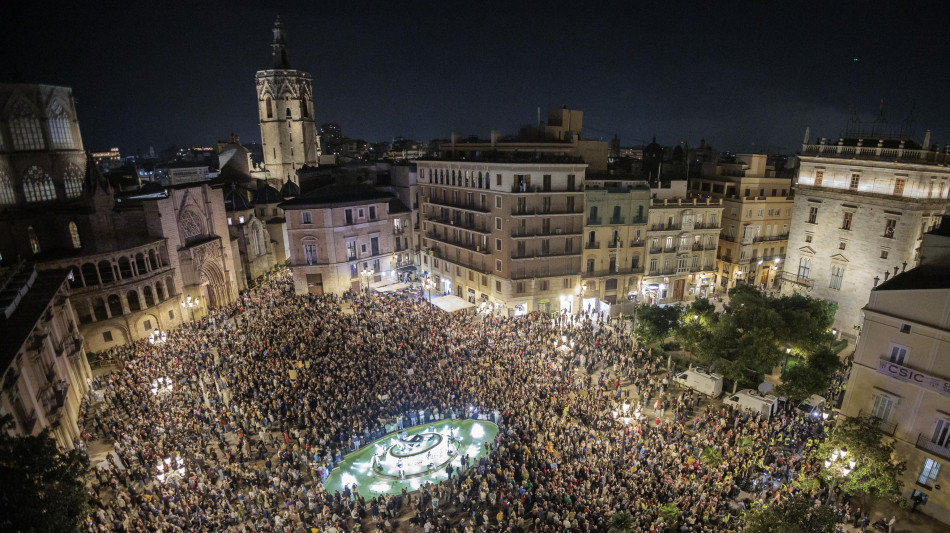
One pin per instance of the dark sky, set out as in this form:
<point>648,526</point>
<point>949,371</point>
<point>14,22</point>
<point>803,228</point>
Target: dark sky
<point>744,76</point>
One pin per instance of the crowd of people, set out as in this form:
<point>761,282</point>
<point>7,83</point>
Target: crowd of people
<point>233,423</point>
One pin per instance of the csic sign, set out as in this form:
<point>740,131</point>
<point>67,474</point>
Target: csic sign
<point>909,375</point>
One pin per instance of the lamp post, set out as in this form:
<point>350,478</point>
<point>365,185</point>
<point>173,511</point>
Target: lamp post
<point>157,338</point>
<point>840,466</point>
<point>191,304</point>
<point>787,352</point>
<point>429,284</point>
<point>365,274</point>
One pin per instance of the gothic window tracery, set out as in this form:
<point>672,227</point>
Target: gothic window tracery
<point>74,235</point>
<point>73,182</point>
<point>60,133</point>
<point>38,186</point>
<point>25,128</point>
<point>190,225</point>
<point>7,193</point>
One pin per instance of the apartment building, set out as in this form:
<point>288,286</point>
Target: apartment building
<point>615,231</point>
<point>499,230</point>
<point>343,237</point>
<point>756,216</point>
<point>860,210</point>
<point>901,371</point>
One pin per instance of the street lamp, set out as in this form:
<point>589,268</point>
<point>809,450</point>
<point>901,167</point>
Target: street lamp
<point>839,465</point>
<point>190,303</point>
<point>157,338</point>
<point>365,274</point>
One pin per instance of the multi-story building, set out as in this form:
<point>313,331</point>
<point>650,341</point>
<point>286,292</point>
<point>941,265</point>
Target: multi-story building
<point>680,249</point>
<point>285,107</point>
<point>861,207</point>
<point>343,237</point>
<point>901,371</point>
<point>614,236</point>
<point>496,229</point>
<point>756,216</point>
<point>42,357</point>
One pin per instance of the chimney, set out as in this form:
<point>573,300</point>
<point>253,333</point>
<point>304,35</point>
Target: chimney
<point>495,135</point>
<point>926,140</point>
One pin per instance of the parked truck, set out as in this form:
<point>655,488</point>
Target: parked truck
<point>753,401</point>
<point>699,380</point>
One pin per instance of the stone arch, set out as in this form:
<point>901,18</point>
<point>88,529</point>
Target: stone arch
<point>216,284</point>
<point>148,296</point>
<point>133,298</point>
<point>140,263</point>
<point>160,291</point>
<point>125,268</point>
<point>115,305</point>
<point>90,274</point>
<point>152,259</point>
<point>105,271</point>
<point>99,309</point>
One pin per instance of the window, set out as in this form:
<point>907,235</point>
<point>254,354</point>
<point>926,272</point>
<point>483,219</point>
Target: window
<point>498,285</point>
<point>269,106</point>
<point>497,245</point>
<point>883,254</point>
<point>348,216</point>
<point>372,212</point>
<point>652,265</point>
<point>498,223</point>
<point>855,181</point>
<point>498,266</point>
<point>171,315</point>
<point>804,268</point>
<point>498,183</point>
<point>899,187</point>
<point>837,274</point>
<point>34,242</point>
<point>107,336</point>
<point>498,202</point>
<point>305,217</point>
<point>941,435</point>
<point>905,328</point>
<point>7,194</point>
<point>310,253</point>
<point>566,284</point>
<point>889,226</point>
<point>928,473</point>
<point>846,221</point>
<point>353,270</point>
<point>147,325</point>
<point>807,238</point>
<point>812,215</point>
<point>590,266</point>
<point>25,129</point>
<point>59,131</point>
<point>240,220</point>
<point>819,176</point>
<point>842,245</point>
<point>897,354</point>
<point>38,186</point>
<point>362,248</point>
<point>360,213</point>
<point>544,284</point>
<point>74,235</point>
<point>72,181</point>
<point>882,406</point>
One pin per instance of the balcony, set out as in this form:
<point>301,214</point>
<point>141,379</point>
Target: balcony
<point>556,232</point>
<point>762,238</point>
<point>607,273</point>
<point>461,205</point>
<point>536,211</point>
<point>615,244</point>
<point>656,250</point>
<point>616,220</point>
<point>636,244</point>
<point>398,231</point>
<point>790,277</point>
<point>665,227</point>
<point>591,221</point>
<point>707,226</point>
<point>925,443</point>
<point>480,228</point>
<point>888,428</point>
<point>477,248</point>
<point>592,245</point>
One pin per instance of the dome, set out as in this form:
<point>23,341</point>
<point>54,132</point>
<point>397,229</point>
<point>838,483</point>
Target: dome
<point>267,195</point>
<point>235,201</point>
<point>290,190</point>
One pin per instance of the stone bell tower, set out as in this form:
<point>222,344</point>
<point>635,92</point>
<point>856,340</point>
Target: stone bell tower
<point>285,107</point>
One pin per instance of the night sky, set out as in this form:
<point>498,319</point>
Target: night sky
<point>744,78</point>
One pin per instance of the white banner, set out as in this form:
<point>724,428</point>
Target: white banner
<point>909,375</point>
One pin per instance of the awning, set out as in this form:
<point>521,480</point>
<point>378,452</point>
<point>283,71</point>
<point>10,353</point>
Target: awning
<point>407,268</point>
<point>392,288</point>
<point>451,304</point>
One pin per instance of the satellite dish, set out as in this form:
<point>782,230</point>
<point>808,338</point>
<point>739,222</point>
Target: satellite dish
<point>765,387</point>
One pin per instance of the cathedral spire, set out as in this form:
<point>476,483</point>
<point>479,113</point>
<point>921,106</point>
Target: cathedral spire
<point>279,46</point>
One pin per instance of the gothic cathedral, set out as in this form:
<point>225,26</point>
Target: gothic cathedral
<point>285,107</point>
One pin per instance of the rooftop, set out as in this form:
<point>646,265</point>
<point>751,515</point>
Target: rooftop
<point>33,300</point>
<point>924,277</point>
<point>337,196</point>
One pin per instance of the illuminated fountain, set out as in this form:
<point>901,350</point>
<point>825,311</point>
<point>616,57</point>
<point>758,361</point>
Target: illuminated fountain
<point>403,456</point>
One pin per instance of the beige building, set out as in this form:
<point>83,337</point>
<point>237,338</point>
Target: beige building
<point>343,237</point>
<point>614,236</point>
<point>42,357</point>
<point>502,231</point>
<point>901,372</point>
<point>285,108</point>
<point>861,207</point>
<point>680,248</point>
<point>756,216</point>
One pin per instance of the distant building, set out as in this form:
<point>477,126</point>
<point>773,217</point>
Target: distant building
<point>285,107</point>
<point>42,358</point>
<point>862,205</point>
<point>108,160</point>
<point>901,371</point>
<point>757,213</point>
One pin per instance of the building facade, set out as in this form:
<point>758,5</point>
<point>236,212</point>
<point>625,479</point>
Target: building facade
<point>901,374</point>
<point>42,357</point>
<point>615,231</point>
<point>285,108</point>
<point>344,238</point>
<point>861,208</point>
<point>504,233</point>
<point>680,249</point>
<point>756,217</point>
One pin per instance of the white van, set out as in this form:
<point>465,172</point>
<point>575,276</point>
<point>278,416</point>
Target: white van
<point>812,406</point>
<point>699,380</point>
<point>754,401</point>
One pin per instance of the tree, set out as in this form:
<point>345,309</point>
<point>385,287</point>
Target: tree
<point>810,377</point>
<point>654,322</point>
<point>621,522</point>
<point>876,473</point>
<point>796,514</point>
<point>670,513</point>
<point>43,488</point>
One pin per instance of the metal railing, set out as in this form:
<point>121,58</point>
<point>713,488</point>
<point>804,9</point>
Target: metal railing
<point>925,443</point>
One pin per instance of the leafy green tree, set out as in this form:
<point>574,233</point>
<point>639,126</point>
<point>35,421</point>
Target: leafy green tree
<point>655,323</point>
<point>670,513</point>
<point>711,457</point>
<point>876,473</point>
<point>621,522</point>
<point>796,514</point>
<point>43,488</point>
<point>810,377</point>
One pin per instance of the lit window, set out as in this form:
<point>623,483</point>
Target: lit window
<point>928,473</point>
<point>25,129</point>
<point>38,186</point>
<point>819,176</point>
<point>73,182</point>
<point>305,217</point>
<point>7,193</point>
<point>837,275</point>
<point>804,268</point>
<point>59,131</point>
<point>74,235</point>
<point>34,242</point>
<point>230,221</point>
<point>240,220</point>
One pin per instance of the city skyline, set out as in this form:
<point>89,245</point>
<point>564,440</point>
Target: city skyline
<point>745,80</point>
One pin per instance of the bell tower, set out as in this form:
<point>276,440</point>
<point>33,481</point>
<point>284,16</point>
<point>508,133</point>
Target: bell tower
<point>285,108</point>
